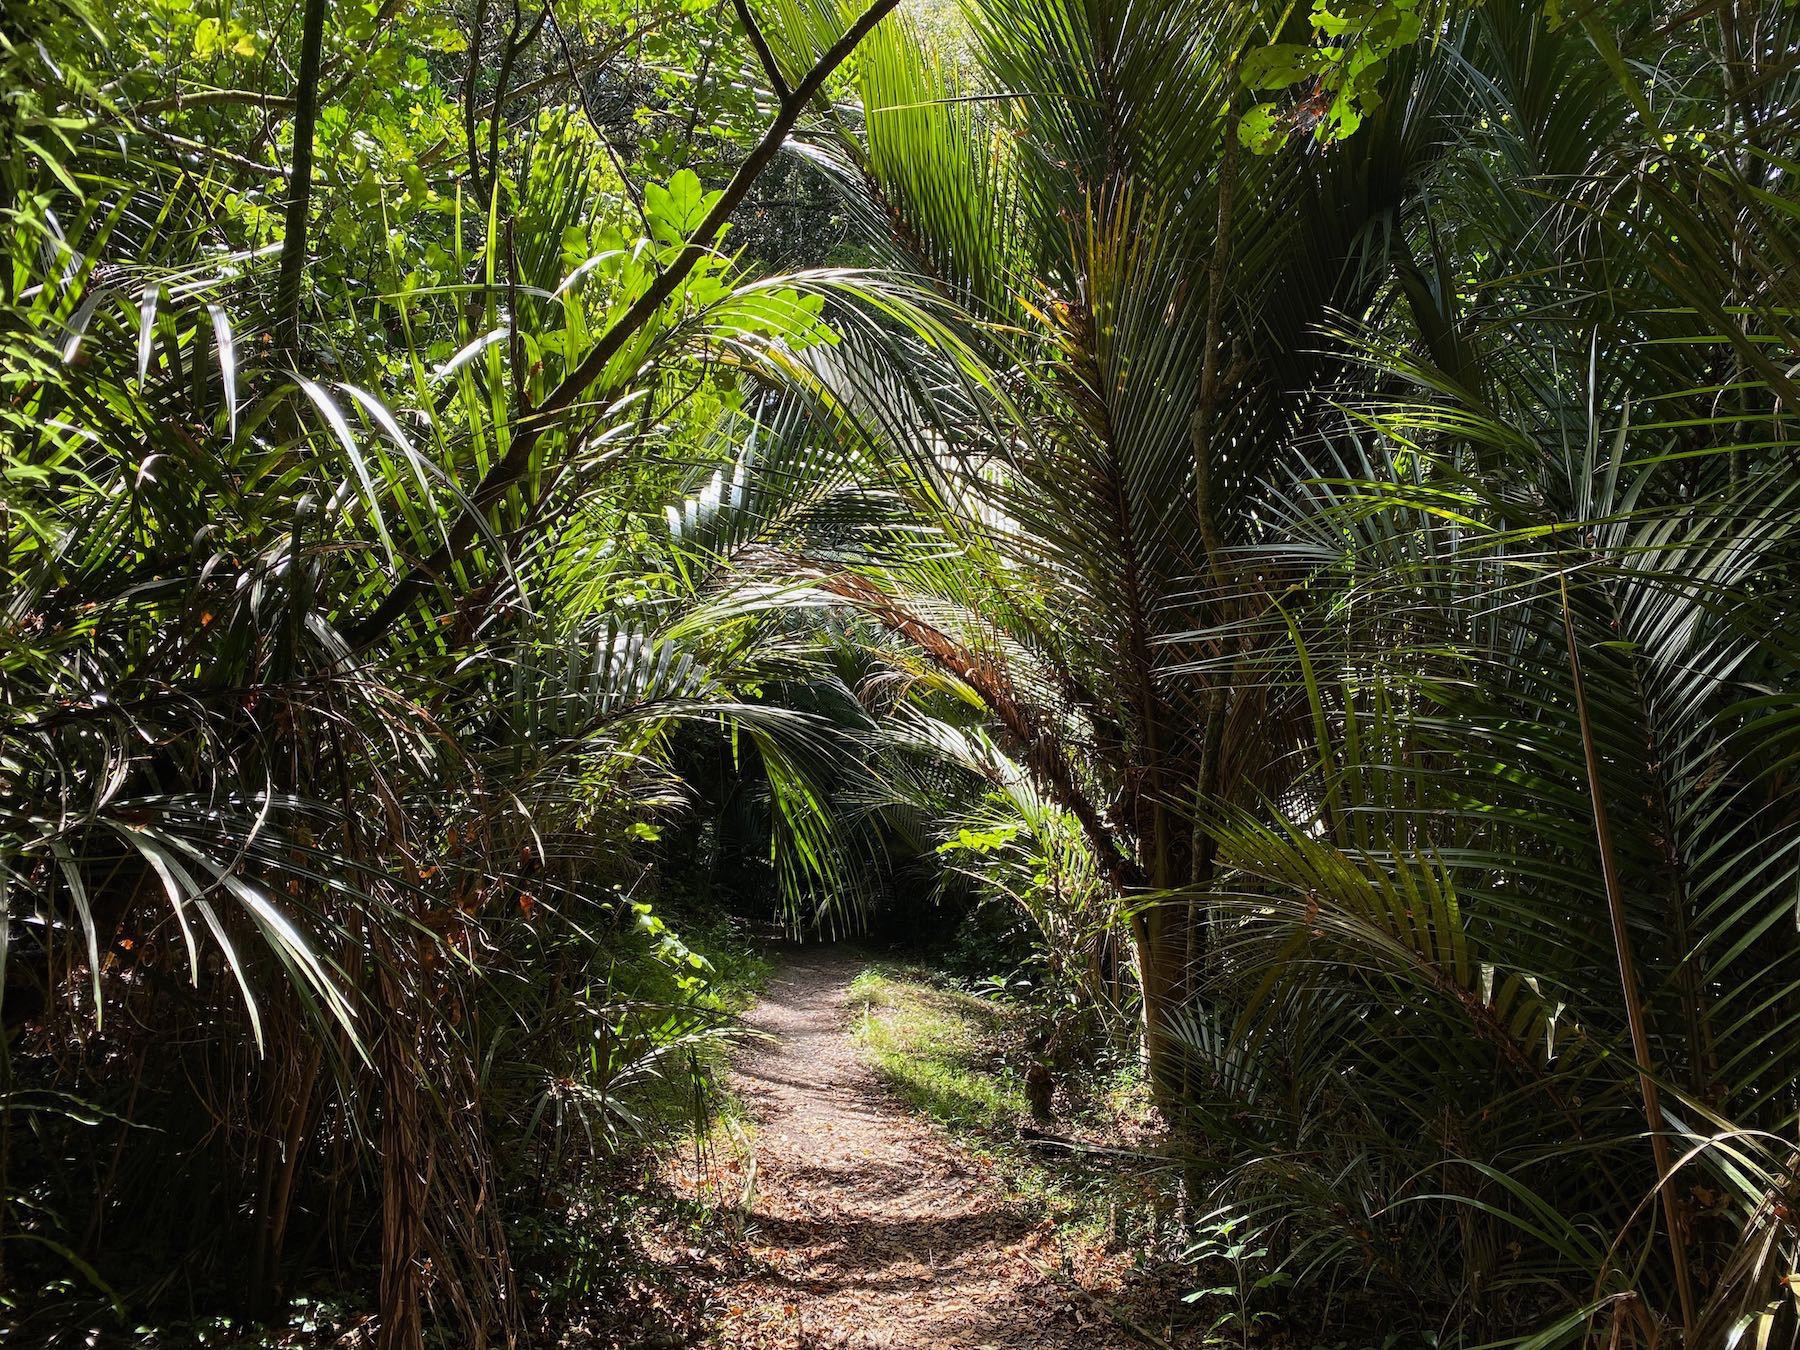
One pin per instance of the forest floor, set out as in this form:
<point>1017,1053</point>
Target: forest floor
<point>867,1225</point>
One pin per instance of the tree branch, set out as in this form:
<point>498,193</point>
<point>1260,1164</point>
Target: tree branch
<point>203,98</point>
<point>562,42</point>
<point>476,31</point>
<point>591,60</point>
<point>510,51</point>
<point>213,152</point>
<point>763,54</point>
<point>534,421</point>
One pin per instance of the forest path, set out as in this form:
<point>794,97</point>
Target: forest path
<point>868,1226</point>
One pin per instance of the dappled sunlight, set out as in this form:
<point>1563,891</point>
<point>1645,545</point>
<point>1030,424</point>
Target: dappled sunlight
<point>868,1227</point>
<point>1248,550</point>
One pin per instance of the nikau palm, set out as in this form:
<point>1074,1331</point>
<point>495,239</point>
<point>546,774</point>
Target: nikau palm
<point>1148,307</point>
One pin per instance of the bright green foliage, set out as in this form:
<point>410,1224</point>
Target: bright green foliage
<point>1336,78</point>
<point>344,900</point>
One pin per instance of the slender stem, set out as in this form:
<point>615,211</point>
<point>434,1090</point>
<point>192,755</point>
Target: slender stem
<point>599,129</point>
<point>1634,1005</point>
<point>1206,410</point>
<point>519,37</point>
<point>509,52</point>
<point>770,67</point>
<point>206,98</point>
<point>299,202</point>
<point>477,30</point>
<point>212,152</point>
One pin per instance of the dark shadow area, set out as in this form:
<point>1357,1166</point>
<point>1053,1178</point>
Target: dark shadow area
<point>856,1251</point>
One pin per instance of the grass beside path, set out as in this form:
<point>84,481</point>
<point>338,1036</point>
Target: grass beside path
<point>947,1053</point>
<point>961,1060</point>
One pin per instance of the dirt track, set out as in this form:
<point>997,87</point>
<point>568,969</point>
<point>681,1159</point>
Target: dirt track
<point>868,1227</point>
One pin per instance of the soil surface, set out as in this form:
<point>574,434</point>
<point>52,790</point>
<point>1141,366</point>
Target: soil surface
<point>867,1226</point>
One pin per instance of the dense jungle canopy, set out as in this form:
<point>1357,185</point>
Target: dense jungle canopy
<point>1281,522</point>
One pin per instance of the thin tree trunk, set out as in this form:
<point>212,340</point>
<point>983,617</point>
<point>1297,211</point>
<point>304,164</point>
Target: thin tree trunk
<point>1628,980</point>
<point>299,202</point>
